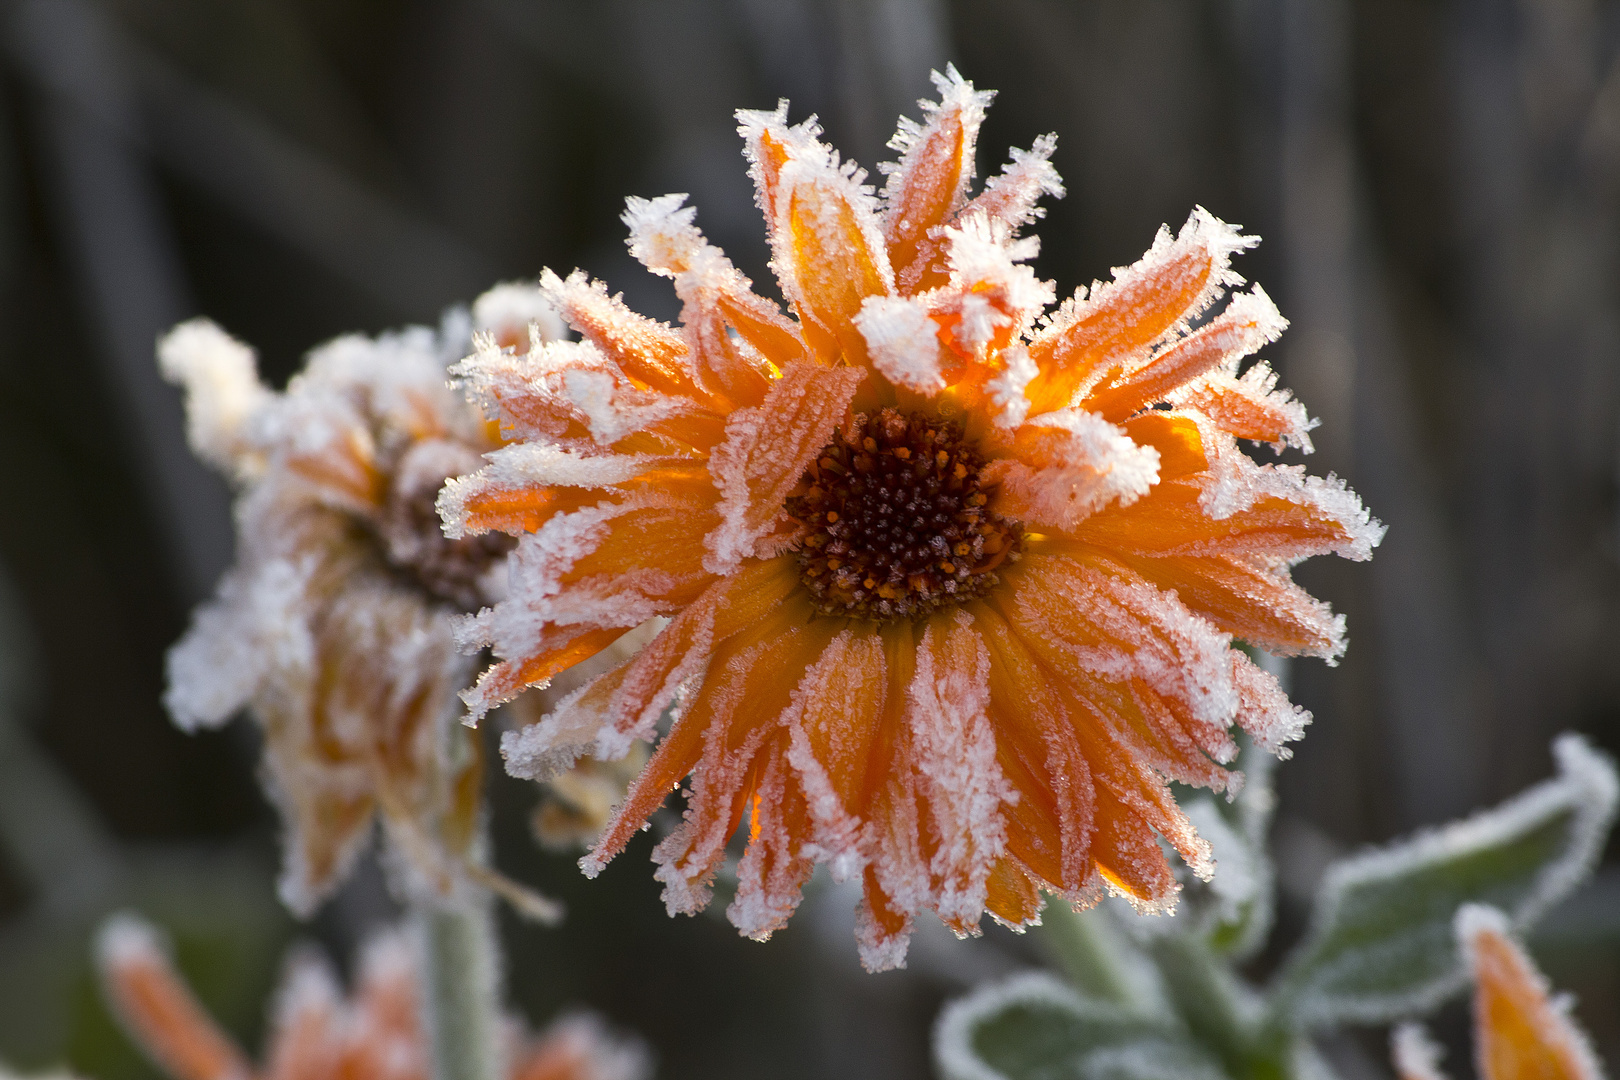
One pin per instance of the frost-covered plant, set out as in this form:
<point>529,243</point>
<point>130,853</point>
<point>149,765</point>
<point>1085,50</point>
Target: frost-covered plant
<point>953,575</point>
<point>1146,999</point>
<point>333,628</point>
<point>319,1033</point>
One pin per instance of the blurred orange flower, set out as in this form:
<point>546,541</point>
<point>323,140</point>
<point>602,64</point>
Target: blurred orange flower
<point>317,1034</point>
<point>953,579</point>
<point>1520,1032</point>
<point>333,626</point>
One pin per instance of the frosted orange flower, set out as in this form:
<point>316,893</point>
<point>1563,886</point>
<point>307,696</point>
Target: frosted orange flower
<point>1520,1032</point>
<point>953,583</point>
<point>317,1034</point>
<point>333,626</point>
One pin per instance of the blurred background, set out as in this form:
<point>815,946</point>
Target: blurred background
<point>1438,185</point>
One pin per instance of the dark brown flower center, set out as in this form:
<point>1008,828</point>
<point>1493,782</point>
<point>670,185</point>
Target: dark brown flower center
<point>896,520</point>
<point>412,536</point>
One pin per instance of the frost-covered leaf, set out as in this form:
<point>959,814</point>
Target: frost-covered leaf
<point>1033,1027</point>
<point>1381,944</point>
<point>1237,907</point>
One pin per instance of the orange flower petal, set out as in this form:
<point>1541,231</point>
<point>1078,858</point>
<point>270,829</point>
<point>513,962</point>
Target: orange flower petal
<point>828,248</point>
<point>1011,896</point>
<point>1250,407</point>
<point>1519,1033</point>
<point>1171,520</point>
<point>1121,319</point>
<point>1248,600</point>
<point>759,667</point>
<point>648,351</point>
<point>714,294</point>
<point>1175,437</point>
<point>833,724</point>
<point>766,453</point>
<point>959,779</point>
<point>1008,201</point>
<point>1129,858</point>
<point>931,178</point>
<point>772,872</point>
<point>1249,321</point>
<point>159,1010</point>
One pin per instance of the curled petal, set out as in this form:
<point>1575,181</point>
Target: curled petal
<point>1009,200</point>
<point>1250,406</point>
<point>715,295</point>
<point>903,342</point>
<point>827,247</point>
<point>649,351</point>
<point>223,395</point>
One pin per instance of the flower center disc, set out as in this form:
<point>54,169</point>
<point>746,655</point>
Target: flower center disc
<point>896,521</point>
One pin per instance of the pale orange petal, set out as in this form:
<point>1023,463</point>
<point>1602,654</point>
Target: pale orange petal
<point>159,1011</point>
<point>1519,1032</point>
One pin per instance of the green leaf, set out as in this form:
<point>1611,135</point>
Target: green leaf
<point>1381,943</point>
<point>1033,1027</point>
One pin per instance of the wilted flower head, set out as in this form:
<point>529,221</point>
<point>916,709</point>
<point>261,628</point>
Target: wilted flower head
<point>317,1033</point>
<point>953,579</point>
<point>333,626</point>
<point>1520,1031</point>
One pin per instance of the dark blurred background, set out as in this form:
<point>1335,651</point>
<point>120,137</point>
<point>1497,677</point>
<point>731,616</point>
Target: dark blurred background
<point>1438,185</point>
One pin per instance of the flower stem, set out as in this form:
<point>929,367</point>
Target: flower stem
<point>461,989</point>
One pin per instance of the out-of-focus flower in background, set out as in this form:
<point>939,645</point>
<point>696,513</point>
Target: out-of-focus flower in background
<point>953,580</point>
<point>333,627</point>
<point>318,1033</point>
<point>1521,1030</point>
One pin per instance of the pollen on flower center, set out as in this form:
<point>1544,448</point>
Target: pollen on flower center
<point>896,520</point>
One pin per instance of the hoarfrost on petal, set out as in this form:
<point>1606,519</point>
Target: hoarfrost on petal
<point>1264,710</point>
<point>223,394</point>
<point>903,342</point>
<point>956,757</point>
<point>766,452</point>
<point>257,624</point>
<point>508,311</point>
<point>1070,464</point>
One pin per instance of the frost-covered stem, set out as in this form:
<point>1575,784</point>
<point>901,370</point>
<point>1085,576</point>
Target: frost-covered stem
<point>1209,999</point>
<point>1089,951</point>
<point>461,989</point>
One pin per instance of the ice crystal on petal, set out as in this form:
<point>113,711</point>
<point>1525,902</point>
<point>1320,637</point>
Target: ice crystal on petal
<point>952,585</point>
<point>903,342</point>
<point>223,393</point>
<point>508,311</point>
